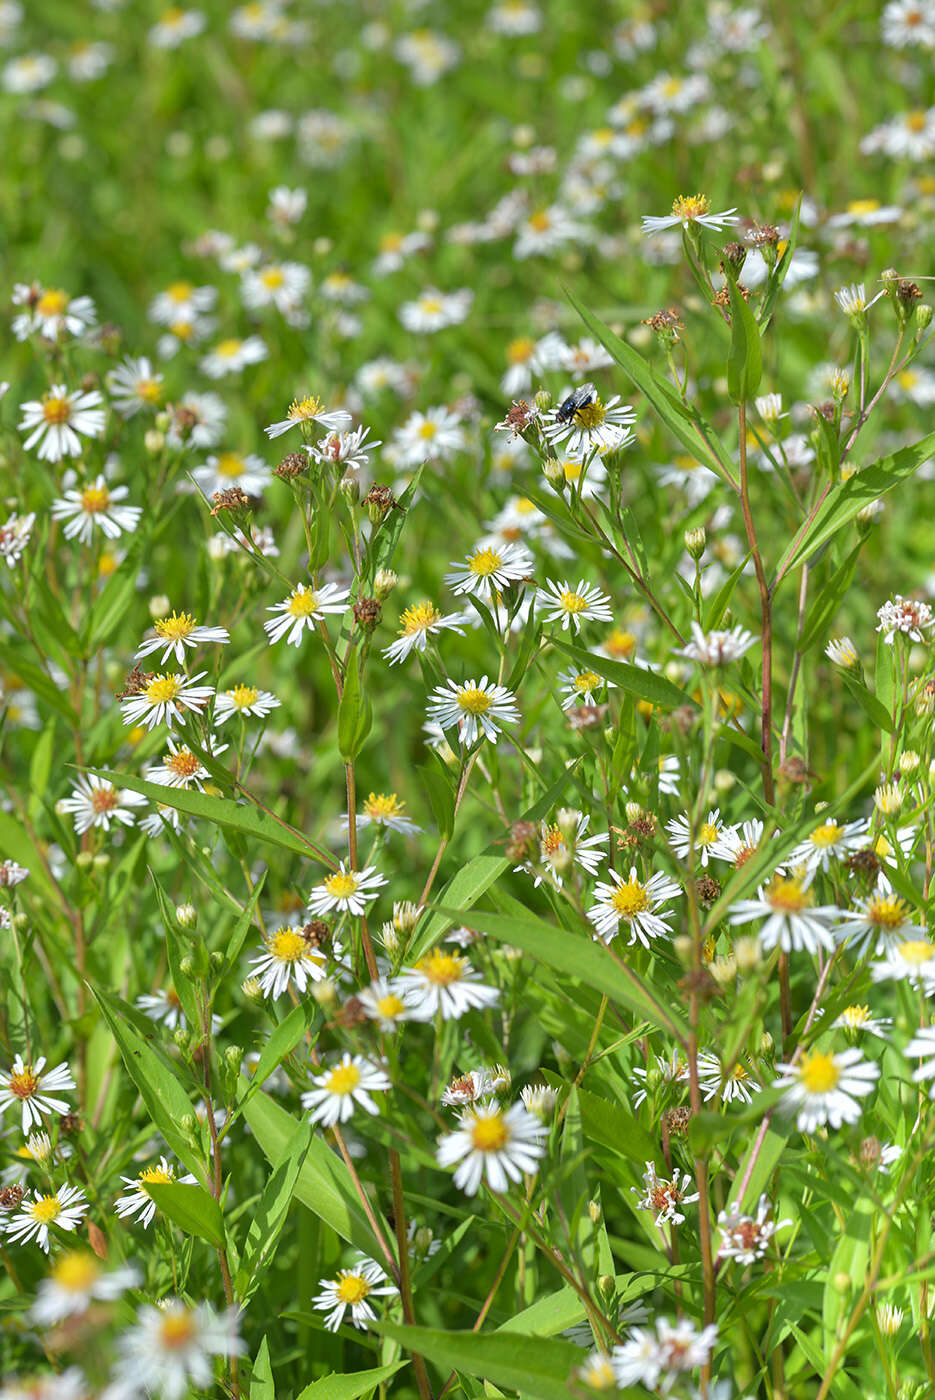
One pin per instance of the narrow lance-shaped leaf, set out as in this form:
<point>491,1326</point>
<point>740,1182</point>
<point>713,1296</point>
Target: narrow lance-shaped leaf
<point>745,359</point>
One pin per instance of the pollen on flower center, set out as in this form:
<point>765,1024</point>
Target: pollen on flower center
<point>301,409</point>
<point>490,1134</point>
<point>149,390</point>
<point>573,602</point>
<point>819,1073</point>
<point>441,968</point>
<point>586,680</point>
<point>52,303</point>
<point>272,278</point>
<point>227,349</point>
<point>474,701</point>
<point>418,618</point>
<point>163,689</point>
<point>288,945</point>
<point>230,464</point>
<point>183,763</point>
<point>176,1330</point>
<point>591,415</point>
<point>855,1016</point>
<point>620,643</point>
<point>179,291</point>
<point>428,429</point>
<point>46,1209</point>
<point>243,696</point>
<point>155,1176</point>
<point>24,1084</point>
<point>788,896</point>
<point>826,835</point>
<point>352,1289</point>
<point>342,884</point>
<point>303,604</point>
<point>431,305</point>
<point>343,1080</point>
<point>95,499</point>
<point>519,351</point>
<point>55,408</point>
<point>104,799</point>
<point>384,804</point>
<point>391,1005</point>
<point>707,834</point>
<point>916,951</point>
<point>485,562</point>
<point>887,911</point>
<point>916,121</point>
<point>690,206</point>
<point>76,1271</point>
<point>175,628</point>
<point>630,899</point>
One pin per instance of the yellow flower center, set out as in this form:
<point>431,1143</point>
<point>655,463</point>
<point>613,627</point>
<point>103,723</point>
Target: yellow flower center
<point>585,681</point>
<point>672,87</point>
<point>352,1289</point>
<point>163,689</point>
<point>272,277</point>
<point>182,330</point>
<point>390,1006</point>
<point>490,1134</point>
<point>418,618</point>
<point>916,951</point>
<point>552,841</point>
<point>46,1209</point>
<point>591,415</point>
<point>343,1080</point>
<point>55,408</point>
<point>149,390</point>
<point>863,206</point>
<point>431,305</point>
<point>428,429</point>
<point>52,302</point>
<point>690,206</point>
<point>855,1016</point>
<point>156,1176</point>
<point>888,911</point>
<point>177,1330</point>
<point>342,885</point>
<point>572,469</point>
<point>819,1073</point>
<point>382,805</point>
<point>104,799</point>
<point>243,696</point>
<point>24,1084</point>
<point>574,602</point>
<point>227,349</point>
<point>788,896</point>
<point>179,292</point>
<point>391,242</point>
<point>441,968</point>
<point>707,834</point>
<point>288,945</point>
<point>230,465</point>
<point>518,351</point>
<point>95,499</point>
<point>303,602</point>
<point>485,562</point>
<point>620,643</point>
<point>826,835</point>
<point>473,700</point>
<point>183,764</point>
<point>76,1271</point>
<point>540,221</point>
<point>916,121</point>
<point>176,627</point>
<point>107,564</point>
<point>630,899</point>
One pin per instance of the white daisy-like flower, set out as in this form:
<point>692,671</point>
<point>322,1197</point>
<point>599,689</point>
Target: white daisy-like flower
<point>230,356</point>
<point>181,301</point>
<point>478,708</point>
<point>344,1086</point>
<point>853,301</point>
<point>492,1144</point>
<point>161,818</point>
<point>15,534</point>
<point>197,421</point>
<point>384,809</point>
<point>657,1358</point>
<point>385,1002</point>
<point>580,687</point>
<point>905,615</point>
<point>922,1047</point>
<point>286,206</point>
<point>395,248</point>
<point>689,211</point>
<point>136,1203</point>
<point>490,570</point>
<point>790,917</point>
<point>350,449</point>
<point>596,1372</point>
<point>468,1088</point>
<point>665,1196</point>
<point>746,1238</point>
<point>96,506</point>
<point>289,955</point>
<point>310,410</point>
<point>825,1088</point>
<point>444,984</point>
<point>95,802</point>
<point>64,1209</point>
<point>350,1290</point>
<point>58,421</point>
<point>878,922</point>
<point>12,874</point>
<point>437,434</point>
<point>904,23</point>
<point>76,1280</point>
<point>857,1020</point>
<point>435,310</point>
<point>717,648</point>
<point>564,844</point>
<point>29,72</point>
<point>632,903</point>
<point>302,609</point>
<point>707,840</point>
<point>133,385</point>
<point>51,312</point>
<point>736,844</point>
<point>165,1008</point>
<point>668,1069</point>
<point>35,1089</point>
<point>165,700</point>
<point>243,700</point>
<point>417,624</point>
<point>832,840</point>
<point>176,632</point>
<point>912,961</point>
<point>585,424</point>
<point>737,1085</point>
<point>842,651</point>
<point>559,602</point>
<point>225,470</point>
<point>171,1349</point>
<point>283,285</point>
<point>174,26</point>
<point>346,891</point>
<point>180,768</point>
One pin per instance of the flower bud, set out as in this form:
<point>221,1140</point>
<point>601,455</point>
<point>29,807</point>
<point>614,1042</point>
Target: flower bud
<point>187,967</point>
<point>101,861</point>
<point>182,1037</point>
<point>747,954</point>
<point>684,948</point>
<point>594,1212</point>
<point>154,441</point>
<point>251,988</point>
<point>724,780</point>
<point>325,992</point>
<point>554,473</point>
<point>159,606</point>
<point>384,583</point>
<point>186,915</point>
<point>349,486</point>
<point>216,960</point>
<point>84,860</point>
<point>233,1056</point>
<point>543,400</point>
<point>695,542</point>
<point>923,316</point>
<point>188,1123</point>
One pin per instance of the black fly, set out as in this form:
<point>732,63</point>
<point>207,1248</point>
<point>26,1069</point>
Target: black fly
<point>580,398</point>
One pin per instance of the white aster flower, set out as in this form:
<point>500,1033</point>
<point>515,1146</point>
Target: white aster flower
<point>197,421</point>
<point>490,570</point>
<point>478,708</point>
<point>689,211</point>
<point>176,632</point>
<point>572,606</point>
<point>737,1085</point>
<point>435,310</point>
<point>922,1047</point>
<point>289,955</point>
<point>95,802</point>
<point>665,1196</point>
<point>165,700</point>
<point>51,312</point>
<point>435,434</point>
<point>64,1209</point>
<point>230,356</point>
<point>417,624</point>
<point>29,1085</point>
<point>96,506</point>
<point>346,891</point>
<point>632,903</point>
<point>136,1203</point>
<point>580,687</point>
<point>746,1238</point>
<point>906,615</point>
<point>225,470</point>
<point>30,72</point>
<point>349,450</point>
<point>790,917</point>
<point>492,1144</point>
<point>286,206</point>
<point>668,1069</point>
<point>283,285</point>
<point>830,841</point>
<point>181,301</point>
<point>347,1084</point>
<point>174,26</point>
<point>717,648</point>
<point>878,922</point>
<point>12,874</point>
<point>708,839</point>
<point>165,1008</point>
<point>585,424</point>
<point>842,652</point>
<point>133,385</point>
<point>857,1020</point>
<point>15,533</point>
<point>243,700</point>
<point>78,1278</point>
<point>657,1359</point>
<point>912,961</point>
<point>825,1088</point>
<point>350,1290</point>
<point>302,609</point>
<point>384,809</point>
<point>310,410</point>
<point>59,420</point>
<point>385,1002</point>
<point>564,844</point>
<point>171,1349</point>
<point>444,984</point>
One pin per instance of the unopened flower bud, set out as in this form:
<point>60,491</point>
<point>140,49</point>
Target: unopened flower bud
<point>633,812</point>
<point>888,799</point>
<point>325,992</point>
<point>20,922</point>
<point>842,1282</point>
<point>554,473</point>
<point>349,486</point>
<point>102,860</point>
<point>187,966</point>
<point>216,960</point>
<point>695,541</point>
<point>607,1283</point>
<point>84,860</point>
<point>723,970</point>
<point>182,1037</point>
<point>594,1212</point>
<point>567,819</point>
<point>163,420</point>
<point>187,915</point>
<point>543,400</point>
<point>233,1056</point>
<point>159,606</point>
<point>923,317</point>
<point>188,1123</point>
<point>767,1046</point>
<point>908,763</point>
<point>724,780</point>
<point>384,583</point>
<point>251,988</point>
<point>154,441</point>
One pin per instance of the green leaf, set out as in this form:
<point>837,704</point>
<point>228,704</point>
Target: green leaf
<point>163,1094</point>
<point>745,359</point>
<point>281,1043</point>
<point>851,1258</point>
<point>761,1161</point>
<point>441,795</point>
<point>719,604</point>
<point>191,1208</point>
<point>113,601</point>
<point>845,499</point>
<point>351,1386</point>
<point>535,1366</point>
<point>36,679</point>
<point>822,611</point>
<point>355,715</point>
<point>269,1216</point>
<point>868,702</point>
<point>386,539</point>
<point>682,420</point>
<point>324,1183</point>
<point>242,817</point>
<point>575,954</point>
<point>243,926</point>
<point>262,1386</point>
<point>778,275</point>
<point>645,685</point>
<point>613,1127</point>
